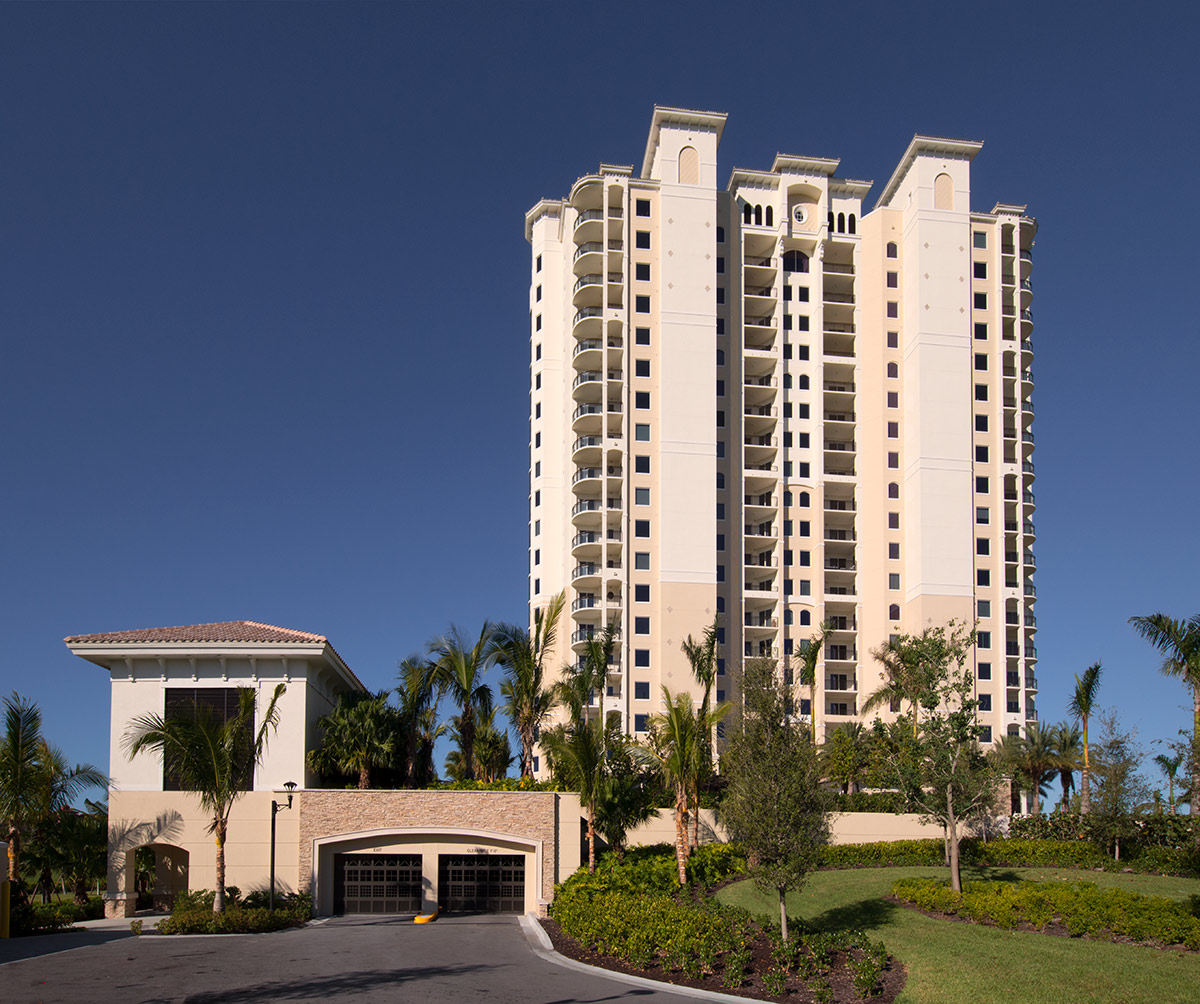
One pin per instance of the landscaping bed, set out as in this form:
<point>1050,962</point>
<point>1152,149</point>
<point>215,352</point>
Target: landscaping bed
<point>1069,909</point>
<point>838,975</point>
<point>633,917</point>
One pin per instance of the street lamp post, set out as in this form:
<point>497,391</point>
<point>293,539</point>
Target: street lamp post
<point>276,808</point>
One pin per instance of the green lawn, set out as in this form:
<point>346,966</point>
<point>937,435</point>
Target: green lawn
<point>951,962</point>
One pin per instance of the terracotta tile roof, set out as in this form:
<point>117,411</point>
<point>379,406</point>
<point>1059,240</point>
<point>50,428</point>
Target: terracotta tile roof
<point>225,631</point>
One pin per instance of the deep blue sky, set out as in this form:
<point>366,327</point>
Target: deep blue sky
<point>264,316</point>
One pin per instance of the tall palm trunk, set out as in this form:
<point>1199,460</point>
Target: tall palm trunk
<point>1195,796</point>
<point>1085,775</point>
<point>681,845</point>
<point>526,751</point>
<point>364,777</point>
<point>219,898</point>
<point>14,852</point>
<point>466,728</point>
<point>591,838</point>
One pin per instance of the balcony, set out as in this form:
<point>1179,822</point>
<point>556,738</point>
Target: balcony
<point>840,505</point>
<point>832,534</point>
<point>760,530</point>
<point>839,416</point>
<point>765,500</point>
<point>840,446</point>
<point>836,268</point>
<point>1031,590</point>
<point>841,653</point>
<point>761,621</point>
<point>840,565</point>
<point>1030,682</point>
<point>585,570</point>
<point>839,386</point>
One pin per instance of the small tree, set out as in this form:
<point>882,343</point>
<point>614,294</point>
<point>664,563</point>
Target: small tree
<point>213,758</point>
<point>942,771</point>
<point>626,795</point>
<point>846,756</point>
<point>1083,703</point>
<point>773,801</point>
<point>360,735</point>
<point>1120,788</point>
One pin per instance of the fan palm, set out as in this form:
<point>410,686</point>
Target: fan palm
<point>1169,765</point>
<point>702,657</point>
<point>416,696</point>
<point>673,750</point>
<point>576,753</point>
<point>459,666</point>
<point>527,699</point>
<point>1032,760</point>
<point>211,757</point>
<point>1179,643</point>
<point>808,660</point>
<point>359,735</point>
<point>35,780</point>
<point>1068,741</point>
<point>910,667</point>
<point>1082,704</point>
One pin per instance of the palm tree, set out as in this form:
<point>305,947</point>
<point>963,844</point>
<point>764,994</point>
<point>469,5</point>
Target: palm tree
<point>808,660</point>
<point>1179,643</point>
<point>1068,740</point>
<point>702,657</point>
<point>582,682</point>
<point>576,754</point>
<point>1170,767</point>
<point>34,778</point>
<point>846,755</point>
<point>428,730</point>
<point>416,695</point>
<point>459,666</point>
<point>1031,759</point>
<point>672,748</point>
<point>527,699</point>
<point>909,671</point>
<point>1083,703</point>
<point>493,753</point>
<point>213,758</point>
<point>359,735</point>
<point>627,797</point>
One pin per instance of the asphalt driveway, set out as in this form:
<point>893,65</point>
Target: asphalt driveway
<point>367,959</point>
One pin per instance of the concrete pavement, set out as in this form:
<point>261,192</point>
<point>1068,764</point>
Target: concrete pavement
<point>367,959</point>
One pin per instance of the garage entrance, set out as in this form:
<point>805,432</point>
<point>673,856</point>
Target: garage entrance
<point>377,883</point>
<point>481,883</point>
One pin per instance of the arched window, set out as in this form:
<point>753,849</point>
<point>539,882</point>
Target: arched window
<point>770,217</point>
<point>805,617</point>
<point>893,370</point>
<point>804,500</point>
<point>893,490</point>
<point>795,261</point>
<point>841,228</point>
<point>831,222</point>
<point>943,192</point>
<point>758,216</point>
<point>802,383</point>
<point>787,381</point>
<point>746,213</point>
<point>894,612</point>
<point>851,224</point>
<point>689,166</point>
<point>720,235</point>
<point>892,250</point>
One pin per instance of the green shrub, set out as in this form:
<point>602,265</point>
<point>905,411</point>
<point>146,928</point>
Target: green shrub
<point>869,801</point>
<point>192,914</point>
<point>501,784</point>
<point>1082,908</point>
<point>1010,852</point>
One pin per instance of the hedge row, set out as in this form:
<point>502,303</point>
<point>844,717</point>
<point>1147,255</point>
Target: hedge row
<point>192,914</point>
<point>1138,832</point>
<point>45,918</point>
<point>1082,908</point>
<point>1010,852</point>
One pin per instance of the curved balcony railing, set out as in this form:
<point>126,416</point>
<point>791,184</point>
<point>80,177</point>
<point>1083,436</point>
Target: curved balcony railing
<point>583,313</point>
<point>591,279</point>
<point>586,409</point>
<point>584,344</point>
<point>588,215</point>
<point>584,473</point>
<point>588,247</point>
<point>585,568</point>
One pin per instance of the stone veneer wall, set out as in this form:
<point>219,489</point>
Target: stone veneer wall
<point>529,814</point>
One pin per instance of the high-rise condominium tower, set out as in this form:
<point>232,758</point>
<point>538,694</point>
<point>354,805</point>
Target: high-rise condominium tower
<point>769,404</point>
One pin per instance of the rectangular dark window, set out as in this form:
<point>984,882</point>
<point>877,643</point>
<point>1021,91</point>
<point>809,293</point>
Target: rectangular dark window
<point>641,399</point>
<point>538,266</point>
<point>981,361</point>
<point>641,625</point>
<point>984,670</point>
<point>641,271</point>
<point>893,280</point>
<point>893,309</point>
<point>720,265</point>
<point>981,330</point>
<point>893,340</point>
<point>981,454</point>
<point>642,304</point>
<point>893,399</point>
<point>720,294</point>
<point>642,207</point>
<point>641,239</point>
<point>981,392</point>
<point>639,722</point>
<point>981,486</point>
<point>222,703</point>
<point>641,690</point>
<point>641,592</point>
<point>980,301</point>
<point>641,367</point>
<point>641,528</point>
<point>981,423</point>
<point>985,702</point>
<point>893,430</point>
<point>979,270</point>
<point>641,657</point>
<point>979,239</point>
<point>641,465</point>
<point>893,521</point>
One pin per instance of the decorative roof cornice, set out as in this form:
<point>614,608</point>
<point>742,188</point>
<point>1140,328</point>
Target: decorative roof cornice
<point>666,115</point>
<point>932,146</point>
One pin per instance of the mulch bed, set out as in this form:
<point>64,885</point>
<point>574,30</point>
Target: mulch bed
<point>840,979</point>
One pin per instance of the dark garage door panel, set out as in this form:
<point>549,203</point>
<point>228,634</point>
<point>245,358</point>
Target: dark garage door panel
<point>481,883</point>
<point>377,883</point>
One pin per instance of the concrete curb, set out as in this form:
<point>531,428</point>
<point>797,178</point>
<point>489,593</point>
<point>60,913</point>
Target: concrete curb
<point>540,942</point>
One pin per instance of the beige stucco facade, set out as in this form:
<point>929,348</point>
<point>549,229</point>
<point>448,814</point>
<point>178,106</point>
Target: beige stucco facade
<point>775,404</point>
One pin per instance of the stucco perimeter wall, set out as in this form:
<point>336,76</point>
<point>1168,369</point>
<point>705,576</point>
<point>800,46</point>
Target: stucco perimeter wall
<point>530,819</point>
<point>844,828</point>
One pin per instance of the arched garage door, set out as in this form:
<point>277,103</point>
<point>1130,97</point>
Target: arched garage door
<point>377,883</point>
<point>481,883</point>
